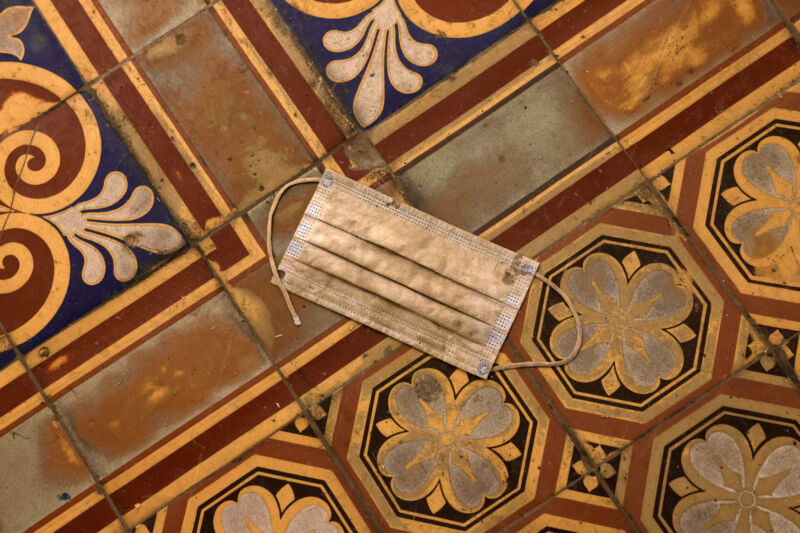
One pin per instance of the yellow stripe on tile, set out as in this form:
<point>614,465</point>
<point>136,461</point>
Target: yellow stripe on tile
<point>263,71</point>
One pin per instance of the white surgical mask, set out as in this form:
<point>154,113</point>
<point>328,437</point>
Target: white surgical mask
<point>407,274</point>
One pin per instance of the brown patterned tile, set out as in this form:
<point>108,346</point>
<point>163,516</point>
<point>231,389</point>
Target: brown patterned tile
<point>142,21</point>
<point>42,472</point>
<point>736,197</point>
<point>661,48</point>
<point>261,301</point>
<point>163,383</point>
<point>567,515</point>
<point>508,154</point>
<point>223,109</point>
<point>658,329</point>
<point>428,443</point>
<point>773,341</point>
<point>287,482</point>
<point>790,8</point>
<point>731,459</point>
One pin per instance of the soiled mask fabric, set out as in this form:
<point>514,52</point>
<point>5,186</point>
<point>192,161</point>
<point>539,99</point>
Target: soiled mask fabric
<point>407,274</point>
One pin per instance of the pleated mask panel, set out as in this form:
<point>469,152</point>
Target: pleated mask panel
<point>405,273</point>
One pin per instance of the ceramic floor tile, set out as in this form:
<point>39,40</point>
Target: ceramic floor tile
<point>30,49</point>
<point>161,384</point>
<point>175,408</point>
<point>160,364</point>
<point>510,154</point>
<point>434,39</point>
<point>658,49</point>
<point>141,21</point>
<point>657,327</point>
<point>261,301</point>
<point>790,8</point>
<point>238,131</point>
<point>730,460</point>
<point>412,427</point>
<point>737,197</point>
<point>42,472</point>
<point>782,343</point>
<point>566,514</point>
<point>83,222</point>
<point>288,482</point>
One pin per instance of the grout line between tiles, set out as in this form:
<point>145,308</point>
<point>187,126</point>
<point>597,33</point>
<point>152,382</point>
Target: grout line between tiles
<point>734,123</point>
<point>613,136</point>
<point>86,87</point>
<point>773,6</point>
<point>68,431</point>
<point>709,393</point>
<point>571,433</point>
<point>522,520</point>
<point>303,408</point>
<point>681,231</point>
<point>19,179</point>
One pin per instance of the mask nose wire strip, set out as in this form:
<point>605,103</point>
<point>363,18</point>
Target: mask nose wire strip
<point>276,279</point>
<point>578,339</point>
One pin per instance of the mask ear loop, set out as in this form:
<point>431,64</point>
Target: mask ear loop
<point>578,340</point>
<point>276,279</point>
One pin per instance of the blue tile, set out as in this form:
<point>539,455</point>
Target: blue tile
<point>440,49</point>
<point>82,230</point>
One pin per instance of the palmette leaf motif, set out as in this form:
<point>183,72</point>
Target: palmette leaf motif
<point>385,36</point>
<point>13,20</point>
<point>90,225</point>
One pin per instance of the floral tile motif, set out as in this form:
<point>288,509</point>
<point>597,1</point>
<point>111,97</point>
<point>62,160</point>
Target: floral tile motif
<point>287,483</point>
<point>177,393</point>
<point>782,341</point>
<point>731,462</point>
<point>431,444</point>
<point>739,197</point>
<point>651,318</point>
<point>613,461</point>
<point>79,220</point>
<point>380,54</point>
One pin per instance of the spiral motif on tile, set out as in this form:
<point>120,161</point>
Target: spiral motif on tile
<point>34,274</point>
<point>47,168</point>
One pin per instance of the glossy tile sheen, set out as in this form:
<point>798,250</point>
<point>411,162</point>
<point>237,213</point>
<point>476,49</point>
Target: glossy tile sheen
<point>660,49</point>
<point>645,152</point>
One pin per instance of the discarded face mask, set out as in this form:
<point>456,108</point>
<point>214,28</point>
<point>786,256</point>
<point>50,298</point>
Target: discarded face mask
<point>424,282</point>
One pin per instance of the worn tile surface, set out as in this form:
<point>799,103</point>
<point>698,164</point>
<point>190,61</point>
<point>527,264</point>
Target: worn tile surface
<point>645,152</point>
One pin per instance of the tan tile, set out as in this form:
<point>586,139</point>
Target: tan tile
<point>238,130</point>
<point>41,471</point>
<point>667,45</point>
<point>261,301</point>
<point>507,155</point>
<point>162,384</point>
<point>789,7</point>
<point>141,21</point>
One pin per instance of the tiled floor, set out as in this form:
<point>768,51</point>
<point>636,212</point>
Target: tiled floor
<point>647,152</point>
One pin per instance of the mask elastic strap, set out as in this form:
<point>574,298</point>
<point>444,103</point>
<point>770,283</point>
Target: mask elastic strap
<point>578,339</point>
<point>276,279</point>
